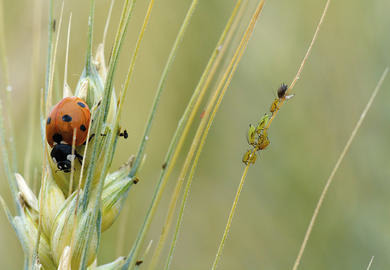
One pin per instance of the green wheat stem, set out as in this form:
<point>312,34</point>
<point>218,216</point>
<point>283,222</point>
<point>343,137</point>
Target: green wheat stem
<point>370,263</point>
<point>47,102</point>
<point>91,17</point>
<point>6,164</point>
<point>107,22</point>
<point>65,83</point>
<point>203,132</point>
<point>129,78</point>
<point>282,101</point>
<point>187,119</point>
<point>242,181</point>
<point>3,48</point>
<point>49,97</point>
<point>161,86</point>
<point>8,90</point>
<point>120,240</point>
<point>34,83</point>
<point>108,88</point>
<point>42,116</point>
<point>122,29</point>
<point>96,206</point>
<point>49,59</point>
<point>79,187</point>
<point>336,167</point>
<point>102,116</point>
<point>133,60</point>
<point>45,174</point>
<point>91,223</point>
<point>144,255</point>
<point>51,75</point>
<point>23,241</point>
<point>231,215</point>
<point>130,261</point>
<point>129,6</point>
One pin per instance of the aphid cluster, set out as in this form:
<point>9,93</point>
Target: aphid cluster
<point>257,135</point>
<point>258,139</point>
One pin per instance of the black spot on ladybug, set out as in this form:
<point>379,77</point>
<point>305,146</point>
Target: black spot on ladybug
<point>57,138</point>
<point>82,105</point>
<point>83,128</point>
<point>48,120</point>
<point>66,118</point>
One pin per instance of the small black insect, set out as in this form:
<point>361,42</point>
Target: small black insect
<point>124,134</point>
<point>135,180</point>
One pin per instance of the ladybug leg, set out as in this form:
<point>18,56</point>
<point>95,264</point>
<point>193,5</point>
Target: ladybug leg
<point>90,138</point>
<point>79,157</point>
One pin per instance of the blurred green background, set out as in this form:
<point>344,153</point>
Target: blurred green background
<point>283,187</point>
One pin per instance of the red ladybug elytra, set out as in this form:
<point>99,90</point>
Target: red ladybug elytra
<point>71,113</point>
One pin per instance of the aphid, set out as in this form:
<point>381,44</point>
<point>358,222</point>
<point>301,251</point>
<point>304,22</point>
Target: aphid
<point>263,141</point>
<point>282,90</point>
<point>246,156</point>
<point>262,124</point>
<point>71,113</point>
<point>249,157</point>
<point>54,25</point>
<point>274,105</point>
<point>252,135</point>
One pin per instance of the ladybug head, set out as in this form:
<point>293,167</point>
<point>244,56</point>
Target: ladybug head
<point>62,156</point>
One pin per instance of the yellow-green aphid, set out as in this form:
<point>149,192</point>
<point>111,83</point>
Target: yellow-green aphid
<point>262,124</point>
<point>263,141</point>
<point>274,105</point>
<point>249,157</point>
<point>252,135</point>
<point>246,156</point>
<point>252,157</point>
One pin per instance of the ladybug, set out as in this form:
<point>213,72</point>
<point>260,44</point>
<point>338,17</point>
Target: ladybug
<point>71,113</point>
